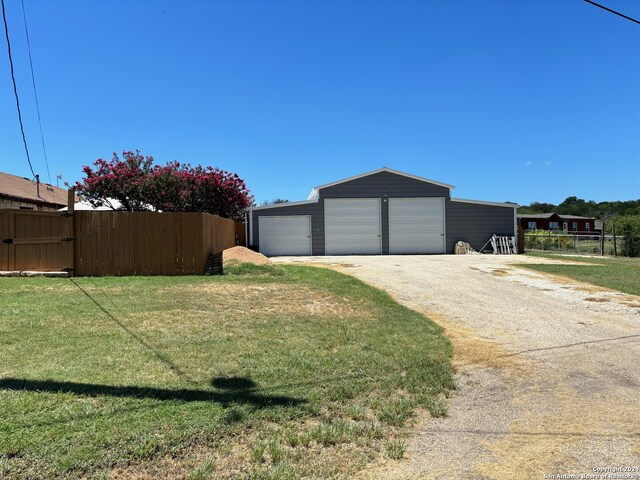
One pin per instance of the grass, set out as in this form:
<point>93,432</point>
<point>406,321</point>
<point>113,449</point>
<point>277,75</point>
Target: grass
<point>395,449</point>
<point>267,372</point>
<point>616,273</point>
<point>204,471</point>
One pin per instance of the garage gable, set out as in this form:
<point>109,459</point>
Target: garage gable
<point>381,183</point>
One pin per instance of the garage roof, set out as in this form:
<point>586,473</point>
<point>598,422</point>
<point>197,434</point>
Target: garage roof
<point>314,191</point>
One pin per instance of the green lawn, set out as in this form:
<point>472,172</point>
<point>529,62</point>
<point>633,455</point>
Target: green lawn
<point>266,372</point>
<point>617,273</point>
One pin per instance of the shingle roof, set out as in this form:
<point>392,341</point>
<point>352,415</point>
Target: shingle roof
<point>535,215</point>
<point>575,217</point>
<point>24,189</point>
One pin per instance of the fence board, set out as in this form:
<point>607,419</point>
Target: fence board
<point>240,234</point>
<point>113,243</point>
<point>38,240</point>
<point>4,247</point>
<point>149,243</point>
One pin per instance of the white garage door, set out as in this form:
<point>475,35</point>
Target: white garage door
<point>285,235</point>
<point>352,226</point>
<point>416,225</point>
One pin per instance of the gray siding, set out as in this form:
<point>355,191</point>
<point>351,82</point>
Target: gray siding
<point>475,223</point>
<point>316,210</point>
<point>470,222</point>
<point>384,184</point>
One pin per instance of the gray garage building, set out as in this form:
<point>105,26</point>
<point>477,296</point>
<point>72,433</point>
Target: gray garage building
<point>384,212</point>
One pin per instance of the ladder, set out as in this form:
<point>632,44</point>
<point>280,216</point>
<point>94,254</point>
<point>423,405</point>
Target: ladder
<point>503,245</point>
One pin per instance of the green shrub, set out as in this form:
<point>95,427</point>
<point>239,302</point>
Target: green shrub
<point>631,244</point>
<point>548,240</point>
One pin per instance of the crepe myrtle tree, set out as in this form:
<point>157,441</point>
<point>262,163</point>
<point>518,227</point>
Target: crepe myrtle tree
<point>137,184</point>
<point>115,179</point>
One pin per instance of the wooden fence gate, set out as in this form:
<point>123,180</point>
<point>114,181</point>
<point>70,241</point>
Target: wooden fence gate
<point>36,240</point>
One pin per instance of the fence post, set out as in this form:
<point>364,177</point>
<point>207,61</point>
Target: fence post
<point>12,246</point>
<point>71,209</point>
<point>521,240</point>
<point>615,246</point>
<point>602,239</point>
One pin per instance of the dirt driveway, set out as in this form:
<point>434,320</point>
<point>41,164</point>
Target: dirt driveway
<point>548,370</point>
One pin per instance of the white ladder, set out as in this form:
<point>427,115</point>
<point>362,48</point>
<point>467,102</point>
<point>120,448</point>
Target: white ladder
<point>504,245</point>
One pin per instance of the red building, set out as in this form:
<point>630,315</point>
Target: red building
<point>555,222</point>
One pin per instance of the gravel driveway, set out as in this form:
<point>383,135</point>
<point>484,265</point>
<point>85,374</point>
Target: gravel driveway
<point>548,370</point>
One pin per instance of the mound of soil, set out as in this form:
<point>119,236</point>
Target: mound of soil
<point>243,255</point>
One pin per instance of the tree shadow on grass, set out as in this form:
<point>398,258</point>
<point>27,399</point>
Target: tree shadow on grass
<point>229,390</point>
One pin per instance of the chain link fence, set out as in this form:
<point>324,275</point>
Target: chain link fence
<point>578,243</point>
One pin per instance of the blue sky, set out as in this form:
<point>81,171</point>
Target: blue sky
<point>507,100</point>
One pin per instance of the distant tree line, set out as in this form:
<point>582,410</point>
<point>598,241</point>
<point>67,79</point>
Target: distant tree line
<point>275,201</point>
<point>585,208</point>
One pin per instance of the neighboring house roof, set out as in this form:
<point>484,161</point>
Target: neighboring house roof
<point>536,215</point>
<point>575,217</point>
<point>25,190</point>
<point>314,191</point>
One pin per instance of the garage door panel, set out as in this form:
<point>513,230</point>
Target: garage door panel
<point>352,226</point>
<point>416,225</point>
<point>285,235</point>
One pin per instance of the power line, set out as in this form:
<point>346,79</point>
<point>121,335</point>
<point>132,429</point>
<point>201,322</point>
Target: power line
<point>613,11</point>
<point>15,88</point>
<point>35,94</point>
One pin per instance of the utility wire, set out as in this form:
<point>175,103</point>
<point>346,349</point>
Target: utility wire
<point>613,11</point>
<point>15,88</point>
<point>35,94</point>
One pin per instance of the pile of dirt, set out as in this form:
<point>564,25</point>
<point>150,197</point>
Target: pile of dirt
<point>243,255</point>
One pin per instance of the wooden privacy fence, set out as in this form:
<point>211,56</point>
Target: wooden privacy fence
<point>96,243</point>
<point>35,240</point>
<point>241,234</point>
